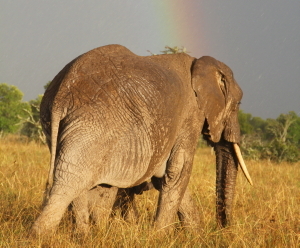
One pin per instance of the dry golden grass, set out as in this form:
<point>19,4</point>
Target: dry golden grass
<point>266,215</point>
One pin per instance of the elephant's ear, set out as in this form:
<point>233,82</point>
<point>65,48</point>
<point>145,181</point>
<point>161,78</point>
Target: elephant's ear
<point>211,89</point>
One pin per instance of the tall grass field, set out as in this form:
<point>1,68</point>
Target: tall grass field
<point>265,215</point>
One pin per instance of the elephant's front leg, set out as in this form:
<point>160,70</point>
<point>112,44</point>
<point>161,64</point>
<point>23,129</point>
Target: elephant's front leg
<point>173,187</point>
<point>188,213</point>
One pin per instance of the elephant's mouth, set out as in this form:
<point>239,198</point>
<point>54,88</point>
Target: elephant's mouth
<point>206,134</point>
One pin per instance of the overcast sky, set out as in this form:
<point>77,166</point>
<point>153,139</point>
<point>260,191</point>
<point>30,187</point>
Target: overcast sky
<point>258,39</point>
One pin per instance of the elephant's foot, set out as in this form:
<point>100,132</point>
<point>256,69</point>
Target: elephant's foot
<point>81,234</point>
<point>41,230</point>
<point>165,221</point>
<point>162,230</point>
<point>82,229</point>
<point>46,224</point>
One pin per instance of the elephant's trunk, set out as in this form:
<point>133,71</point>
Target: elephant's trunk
<point>227,166</point>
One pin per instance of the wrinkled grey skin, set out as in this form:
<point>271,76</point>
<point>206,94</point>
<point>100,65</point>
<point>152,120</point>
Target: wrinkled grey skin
<point>120,119</point>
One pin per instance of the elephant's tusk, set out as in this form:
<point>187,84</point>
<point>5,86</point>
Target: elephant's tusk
<point>241,162</point>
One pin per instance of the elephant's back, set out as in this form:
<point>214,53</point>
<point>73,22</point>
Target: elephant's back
<point>112,73</point>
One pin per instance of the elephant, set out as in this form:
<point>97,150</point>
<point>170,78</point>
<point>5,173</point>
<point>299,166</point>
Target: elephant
<point>119,119</point>
<point>100,202</point>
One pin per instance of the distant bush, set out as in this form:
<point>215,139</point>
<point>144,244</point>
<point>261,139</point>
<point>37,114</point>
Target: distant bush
<point>11,107</point>
<point>277,140</point>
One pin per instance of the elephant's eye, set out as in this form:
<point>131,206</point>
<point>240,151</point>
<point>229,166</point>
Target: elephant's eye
<point>237,106</point>
<point>223,79</point>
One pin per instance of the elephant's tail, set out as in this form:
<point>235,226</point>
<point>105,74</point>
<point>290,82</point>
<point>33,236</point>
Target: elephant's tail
<point>56,116</point>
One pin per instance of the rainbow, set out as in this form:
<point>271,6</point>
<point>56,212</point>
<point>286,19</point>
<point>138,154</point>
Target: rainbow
<point>179,24</point>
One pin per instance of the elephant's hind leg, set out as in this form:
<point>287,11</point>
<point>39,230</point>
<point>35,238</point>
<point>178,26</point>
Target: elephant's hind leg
<point>53,211</point>
<point>81,213</point>
<point>101,200</point>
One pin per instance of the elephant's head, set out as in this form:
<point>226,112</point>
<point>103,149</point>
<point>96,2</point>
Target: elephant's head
<point>218,97</point>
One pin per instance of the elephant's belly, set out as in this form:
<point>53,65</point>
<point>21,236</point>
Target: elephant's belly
<point>124,167</point>
<point>124,175</point>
